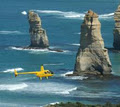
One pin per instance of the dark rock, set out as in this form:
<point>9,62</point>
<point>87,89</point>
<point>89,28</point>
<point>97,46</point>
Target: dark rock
<point>56,50</point>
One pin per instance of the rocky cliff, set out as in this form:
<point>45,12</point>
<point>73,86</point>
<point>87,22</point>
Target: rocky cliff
<point>92,57</point>
<point>37,33</point>
<point>116,31</point>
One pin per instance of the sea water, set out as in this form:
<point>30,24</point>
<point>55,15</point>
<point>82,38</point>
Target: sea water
<point>62,20</point>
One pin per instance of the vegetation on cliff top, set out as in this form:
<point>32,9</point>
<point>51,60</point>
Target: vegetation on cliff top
<point>78,104</point>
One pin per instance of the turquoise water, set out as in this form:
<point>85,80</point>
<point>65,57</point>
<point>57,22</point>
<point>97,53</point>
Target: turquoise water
<point>62,20</point>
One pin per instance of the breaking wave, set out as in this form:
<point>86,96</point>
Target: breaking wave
<point>73,77</point>
<point>105,16</point>
<point>85,94</point>
<point>78,33</point>
<point>24,12</point>
<point>54,103</point>
<point>67,91</point>
<point>44,88</point>
<point>75,44</point>
<point>71,14</point>
<point>10,32</point>
<point>12,70</point>
<point>13,87</point>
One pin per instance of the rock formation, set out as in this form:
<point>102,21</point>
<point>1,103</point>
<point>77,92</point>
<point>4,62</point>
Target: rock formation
<point>37,33</point>
<point>116,31</point>
<point>92,57</point>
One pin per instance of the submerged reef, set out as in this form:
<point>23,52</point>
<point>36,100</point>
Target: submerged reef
<point>92,58</point>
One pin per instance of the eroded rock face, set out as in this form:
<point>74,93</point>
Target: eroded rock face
<point>92,57</point>
<point>37,33</point>
<point>116,31</point>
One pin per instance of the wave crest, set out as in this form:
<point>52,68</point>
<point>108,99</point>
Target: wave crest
<point>12,70</point>
<point>4,32</point>
<point>24,12</point>
<point>67,91</point>
<point>13,87</point>
<point>72,15</point>
<point>73,77</point>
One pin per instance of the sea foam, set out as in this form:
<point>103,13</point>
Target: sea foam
<point>72,14</point>
<point>73,77</point>
<point>54,103</point>
<point>84,94</point>
<point>38,51</point>
<point>13,87</point>
<point>75,44</point>
<point>24,12</point>
<point>12,70</point>
<point>52,88</point>
<point>67,91</point>
<point>4,32</point>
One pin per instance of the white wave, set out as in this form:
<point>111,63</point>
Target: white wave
<point>68,91</point>
<point>73,77</point>
<point>51,104</point>
<point>33,50</point>
<point>106,16</point>
<point>75,44</point>
<point>37,51</point>
<point>78,33</point>
<point>24,12</point>
<point>13,87</point>
<point>54,64</point>
<point>10,32</point>
<point>12,70</point>
<point>77,77</point>
<point>54,103</point>
<point>72,15</point>
<point>85,94</point>
<point>49,88</point>
<point>69,72</point>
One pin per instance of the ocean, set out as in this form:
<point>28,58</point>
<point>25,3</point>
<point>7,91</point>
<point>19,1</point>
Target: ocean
<point>62,20</point>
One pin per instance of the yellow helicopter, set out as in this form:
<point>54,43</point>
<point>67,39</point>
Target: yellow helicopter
<point>40,74</point>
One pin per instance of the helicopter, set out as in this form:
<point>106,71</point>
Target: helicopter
<point>40,74</point>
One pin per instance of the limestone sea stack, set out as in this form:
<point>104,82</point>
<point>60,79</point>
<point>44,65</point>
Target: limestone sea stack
<point>38,35</point>
<point>116,31</point>
<point>92,57</point>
